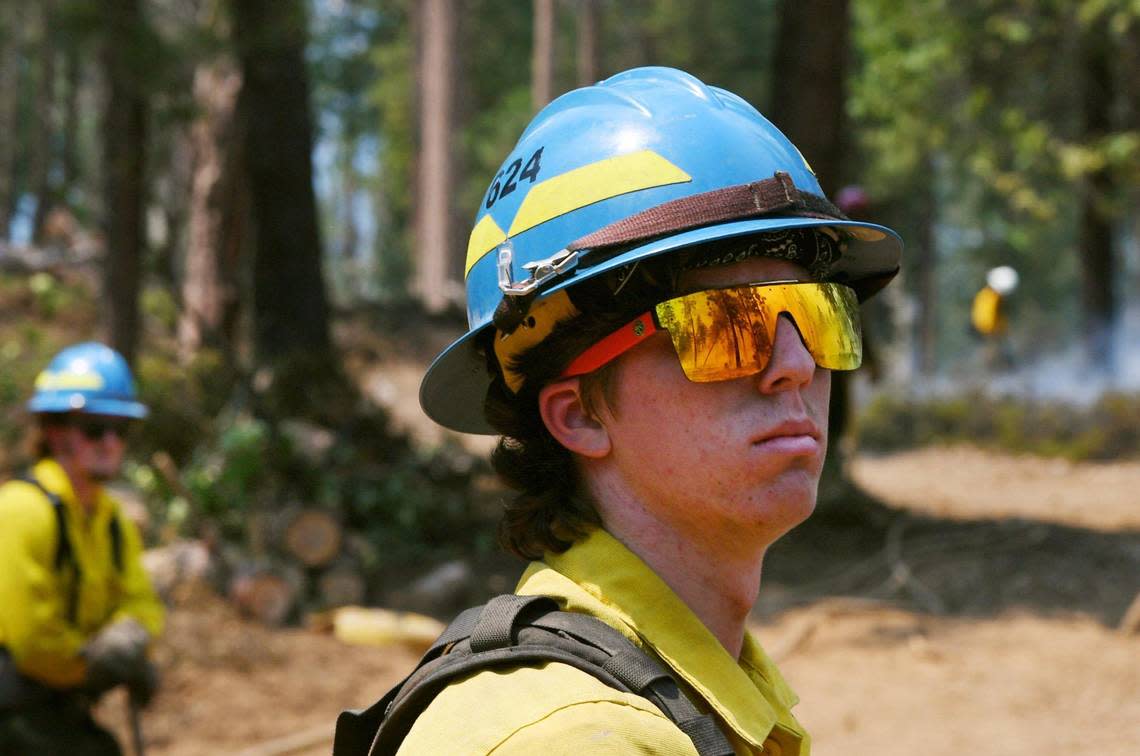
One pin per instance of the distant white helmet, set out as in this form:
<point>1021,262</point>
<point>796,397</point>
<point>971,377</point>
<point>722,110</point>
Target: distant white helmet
<point>1002,279</point>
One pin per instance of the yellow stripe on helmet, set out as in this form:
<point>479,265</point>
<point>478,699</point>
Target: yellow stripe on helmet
<point>484,237</point>
<point>574,189</point>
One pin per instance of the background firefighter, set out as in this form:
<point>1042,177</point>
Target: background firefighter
<point>78,610</point>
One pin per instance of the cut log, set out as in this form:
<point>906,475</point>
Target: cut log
<point>313,536</point>
<point>341,585</point>
<point>267,594</point>
<point>362,626</point>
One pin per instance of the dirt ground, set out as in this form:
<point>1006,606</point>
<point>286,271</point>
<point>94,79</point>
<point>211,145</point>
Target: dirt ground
<point>897,647</point>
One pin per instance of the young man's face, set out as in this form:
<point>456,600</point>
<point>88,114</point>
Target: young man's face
<point>90,445</point>
<point>735,460</point>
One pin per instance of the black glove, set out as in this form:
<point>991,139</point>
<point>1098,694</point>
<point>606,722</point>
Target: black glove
<point>116,655</point>
<point>143,687</point>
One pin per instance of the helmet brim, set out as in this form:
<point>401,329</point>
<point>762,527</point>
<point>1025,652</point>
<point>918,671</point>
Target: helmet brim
<point>455,385</point>
<point>77,402</point>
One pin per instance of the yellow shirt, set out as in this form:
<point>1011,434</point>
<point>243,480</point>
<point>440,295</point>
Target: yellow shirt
<point>557,709</point>
<point>987,313</point>
<point>34,623</point>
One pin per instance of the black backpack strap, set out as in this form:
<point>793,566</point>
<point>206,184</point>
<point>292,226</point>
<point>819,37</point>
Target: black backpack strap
<point>116,530</point>
<point>516,631</point>
<point>64,556</point>
<point>356,728</point>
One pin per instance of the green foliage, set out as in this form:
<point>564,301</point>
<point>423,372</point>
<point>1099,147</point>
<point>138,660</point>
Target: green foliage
<point>1109,429</point>
<point>977,105</point>
<point>183,401</point>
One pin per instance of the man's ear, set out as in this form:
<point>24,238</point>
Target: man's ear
<point>570,421</point>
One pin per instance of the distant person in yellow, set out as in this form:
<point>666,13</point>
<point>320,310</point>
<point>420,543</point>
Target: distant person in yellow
<point>990,318</point>
<point>77,610</point>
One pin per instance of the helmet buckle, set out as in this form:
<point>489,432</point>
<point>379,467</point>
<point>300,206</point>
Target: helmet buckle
<point>541,271</point>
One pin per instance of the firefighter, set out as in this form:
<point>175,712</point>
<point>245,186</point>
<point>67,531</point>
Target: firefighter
<point>989,316</point>
<point>79,611</point>
<point>657,293</point>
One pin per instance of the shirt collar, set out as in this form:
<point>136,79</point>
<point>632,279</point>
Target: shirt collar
<point>598,575</point>
<point>54,478</point>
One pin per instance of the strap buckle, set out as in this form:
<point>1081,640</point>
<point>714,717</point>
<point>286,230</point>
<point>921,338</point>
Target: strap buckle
<point>541,271</point>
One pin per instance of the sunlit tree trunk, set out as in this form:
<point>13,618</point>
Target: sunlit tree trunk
<point>436,184</point>
<point>1098,267</point>
<point>290,305</point>
<point>542,65</point>
<point>218,209</point>
<point>124,148</point>
<point>587,49</point>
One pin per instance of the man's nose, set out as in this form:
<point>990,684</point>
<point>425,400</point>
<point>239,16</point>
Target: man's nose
<point>791,364</point>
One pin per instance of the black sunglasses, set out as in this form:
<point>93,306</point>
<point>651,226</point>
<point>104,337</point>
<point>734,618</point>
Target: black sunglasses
<point>95,428</point>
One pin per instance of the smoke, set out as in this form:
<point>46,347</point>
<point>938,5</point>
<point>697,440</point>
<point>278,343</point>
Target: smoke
<point>1067,375</point>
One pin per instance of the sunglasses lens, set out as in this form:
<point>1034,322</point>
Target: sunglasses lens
<point>95,430</point>
<point>720,334</point>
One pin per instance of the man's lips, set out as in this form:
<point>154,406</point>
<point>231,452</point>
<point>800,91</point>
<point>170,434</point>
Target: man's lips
<point>791,436</point>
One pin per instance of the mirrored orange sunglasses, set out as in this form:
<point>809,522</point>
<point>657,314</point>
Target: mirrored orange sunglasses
<point>720,334</point>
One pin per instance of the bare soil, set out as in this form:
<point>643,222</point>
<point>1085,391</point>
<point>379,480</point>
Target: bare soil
<point>976,612</point>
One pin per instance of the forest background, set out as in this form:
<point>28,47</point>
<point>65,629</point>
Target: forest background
<point>255,200</point>
<point>265,205</point>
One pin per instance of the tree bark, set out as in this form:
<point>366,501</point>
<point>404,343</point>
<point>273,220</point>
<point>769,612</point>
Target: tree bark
<point>45,122</point>
<point>218,209</point>
<point>436,183</point>
<point>925,279</point>
<point>1098,266</point>
<point>809,84</point>
<point>11,26</point>
<point>69,129</point>
<point>542,63</point>
<point>290,306</point>
<point>587,53</point>
<point>124,148</point>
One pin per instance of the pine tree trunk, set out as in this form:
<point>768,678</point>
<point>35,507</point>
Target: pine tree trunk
<point>45,121</point>
<point>69,129</point>
<point>587,53</point>
<point>809,83</point>
<point>11,26</point>
<point>1098,266</point>
<point>124,148</point>
<point>436,183</point>
<point>291,313</point>
<point>925,279</point>
<point>218,207</point>
<point>542,64</point>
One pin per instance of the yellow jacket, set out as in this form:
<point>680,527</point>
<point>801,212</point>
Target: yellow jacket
<point>988,313</point>
<point>34,623</point>
<point>556,709</point>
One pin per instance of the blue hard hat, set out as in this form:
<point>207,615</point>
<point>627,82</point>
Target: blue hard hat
<point>604,153</point>
<point>90,378</point>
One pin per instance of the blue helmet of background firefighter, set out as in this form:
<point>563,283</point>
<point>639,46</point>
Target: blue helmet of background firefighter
<point>610,192</point>
<point>90,384</point>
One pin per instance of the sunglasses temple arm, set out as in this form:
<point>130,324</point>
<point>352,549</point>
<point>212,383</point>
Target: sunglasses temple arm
<point>609,348</point>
